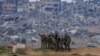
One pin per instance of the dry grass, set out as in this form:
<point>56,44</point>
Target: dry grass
<point>74,52</point>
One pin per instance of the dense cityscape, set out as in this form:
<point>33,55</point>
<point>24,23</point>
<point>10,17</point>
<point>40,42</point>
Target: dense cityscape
<point>22,20</point>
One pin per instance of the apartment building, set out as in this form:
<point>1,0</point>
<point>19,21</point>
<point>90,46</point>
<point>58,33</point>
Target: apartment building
<point>51,6</point>
<point>22,6</point>
<point>9,6</point>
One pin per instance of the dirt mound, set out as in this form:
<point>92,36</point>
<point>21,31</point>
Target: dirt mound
<point>75,54</point>
<point>90,55</point>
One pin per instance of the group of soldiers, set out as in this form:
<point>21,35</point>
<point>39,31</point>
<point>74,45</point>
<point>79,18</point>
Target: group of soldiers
<point>55,41</point>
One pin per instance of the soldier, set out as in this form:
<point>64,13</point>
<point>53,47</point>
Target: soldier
<point>43,41</point>
<point>67,41</point>
<point>56,41</point>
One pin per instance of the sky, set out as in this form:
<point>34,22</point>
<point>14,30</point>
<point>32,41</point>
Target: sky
<point>62,0</point>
